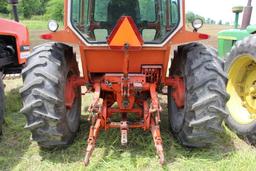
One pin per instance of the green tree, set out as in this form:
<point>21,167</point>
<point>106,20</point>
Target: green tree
<point>28,8</point>
<point>55,9</point>
<point>42,9</point>
<point>227,23</point>
<point>190,16</point>
<point>3,7</point>
<point>208,21</point>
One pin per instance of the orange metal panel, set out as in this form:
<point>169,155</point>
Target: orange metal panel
<point>64,36</point>
<point>106,60</point>
<point>183,37</point>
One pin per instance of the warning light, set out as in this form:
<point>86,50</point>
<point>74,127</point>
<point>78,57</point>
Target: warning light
<point>125,33</point>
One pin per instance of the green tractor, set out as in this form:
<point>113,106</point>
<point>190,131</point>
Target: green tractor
<point>238,48</point>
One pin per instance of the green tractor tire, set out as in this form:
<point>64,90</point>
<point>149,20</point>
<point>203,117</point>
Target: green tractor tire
<point>241,69</point>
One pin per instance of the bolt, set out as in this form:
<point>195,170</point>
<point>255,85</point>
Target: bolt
<point>109,84</point>
<point>126,46</point>
<point>252,91</point>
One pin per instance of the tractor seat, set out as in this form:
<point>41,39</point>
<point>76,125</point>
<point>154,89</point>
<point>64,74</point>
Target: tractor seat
<point>118,8</point>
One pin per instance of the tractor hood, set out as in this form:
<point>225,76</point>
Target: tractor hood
<point>233,34</point>
<point>20,32</point>
<point>227,38</point>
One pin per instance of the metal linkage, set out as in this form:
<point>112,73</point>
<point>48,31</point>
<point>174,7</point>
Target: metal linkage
<point>95,116</point>
<point>155,130</point>
<point>178,93</point>
<point>101,113</point>
<point>95,108</point>
<point>155,120</point>
<point>94,130</point>
<point>73,82</point>
<point>124,132</point>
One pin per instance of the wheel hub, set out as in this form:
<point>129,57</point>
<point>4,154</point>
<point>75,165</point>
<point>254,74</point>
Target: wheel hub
<point>242,89</point>
<point>249,100</point>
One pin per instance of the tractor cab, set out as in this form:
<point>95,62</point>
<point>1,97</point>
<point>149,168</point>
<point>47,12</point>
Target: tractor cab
<point>94,20</point>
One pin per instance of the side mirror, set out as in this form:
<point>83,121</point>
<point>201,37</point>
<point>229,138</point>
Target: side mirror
<point>197,24</point>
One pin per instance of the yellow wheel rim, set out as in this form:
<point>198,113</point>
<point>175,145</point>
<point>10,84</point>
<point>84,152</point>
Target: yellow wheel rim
<point>242,89</point>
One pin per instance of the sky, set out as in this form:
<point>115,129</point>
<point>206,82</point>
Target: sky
<point>218,9</point>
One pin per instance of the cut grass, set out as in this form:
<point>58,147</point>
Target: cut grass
<point>18,152</point>
<point>31,24</point>
<point>35,24</point>
<point>38,24</point>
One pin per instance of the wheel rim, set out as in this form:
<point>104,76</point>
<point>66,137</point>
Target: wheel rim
<point>73,114</point>
<point>242,89</point>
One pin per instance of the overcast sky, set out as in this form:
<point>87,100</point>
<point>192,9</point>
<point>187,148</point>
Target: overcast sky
<point>218,9</point>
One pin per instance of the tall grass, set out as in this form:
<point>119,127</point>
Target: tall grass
<point>18,152</point>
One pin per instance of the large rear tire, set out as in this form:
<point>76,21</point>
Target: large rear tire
<point>241,69</point>
<point>1,103</point>
<point>199,122</point>
<point>43,94</point>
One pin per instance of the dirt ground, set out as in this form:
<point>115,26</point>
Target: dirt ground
<point>212,30</point>
<point>35,37</point>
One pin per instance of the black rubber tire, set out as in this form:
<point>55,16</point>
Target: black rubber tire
<point>1,103</point>
<point>246,46</point>
<point>200,121</point>
<point>47,69</point>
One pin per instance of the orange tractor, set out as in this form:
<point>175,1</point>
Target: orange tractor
<point>128,55</point>
<point>14,49</point>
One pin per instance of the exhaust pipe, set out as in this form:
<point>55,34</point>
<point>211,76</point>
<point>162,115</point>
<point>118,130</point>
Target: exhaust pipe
<point>14,9</point>
<point>247,15</point>
<point>237,11</point>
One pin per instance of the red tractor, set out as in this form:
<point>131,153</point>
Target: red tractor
<point>14,49</point>
<point>127,55</point>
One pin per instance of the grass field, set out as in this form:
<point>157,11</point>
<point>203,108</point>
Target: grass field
<point>18,152</point>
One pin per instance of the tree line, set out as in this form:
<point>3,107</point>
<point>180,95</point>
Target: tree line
<point>191,16</point>
<point>28,8</point>
<point>53,9</point>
